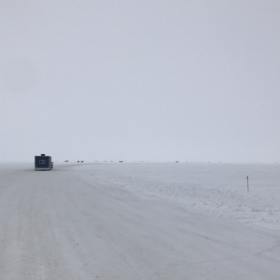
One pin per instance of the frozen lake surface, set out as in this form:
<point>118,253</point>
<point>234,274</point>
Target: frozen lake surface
<point>140,221</point>
<point>219,189</point>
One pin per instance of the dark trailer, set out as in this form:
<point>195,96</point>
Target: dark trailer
<point>43,162</point>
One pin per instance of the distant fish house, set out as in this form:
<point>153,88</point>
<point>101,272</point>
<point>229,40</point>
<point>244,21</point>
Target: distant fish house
<point>43,162</point>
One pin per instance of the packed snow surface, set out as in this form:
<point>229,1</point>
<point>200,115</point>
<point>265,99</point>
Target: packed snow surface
<point>140,221</point>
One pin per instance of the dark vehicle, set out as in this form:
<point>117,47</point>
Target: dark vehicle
<point>43,163</point>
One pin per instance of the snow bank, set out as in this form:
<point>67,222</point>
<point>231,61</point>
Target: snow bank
<point>215,189</point>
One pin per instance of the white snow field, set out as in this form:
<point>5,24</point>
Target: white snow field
<point>140,221</point>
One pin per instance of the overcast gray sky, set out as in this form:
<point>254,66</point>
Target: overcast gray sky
<point>158,80</point>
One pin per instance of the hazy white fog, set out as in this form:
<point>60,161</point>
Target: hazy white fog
<point>140,80</point>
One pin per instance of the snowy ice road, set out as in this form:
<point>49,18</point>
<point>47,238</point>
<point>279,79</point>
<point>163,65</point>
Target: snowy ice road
<point>58,225</point>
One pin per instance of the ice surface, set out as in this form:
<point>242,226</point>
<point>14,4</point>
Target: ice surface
<point>217,189</point>
<point>139,221</point>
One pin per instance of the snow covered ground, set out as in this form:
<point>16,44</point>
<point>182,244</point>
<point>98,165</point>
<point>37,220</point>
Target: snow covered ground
<point>140,221</point>
<point>217,189</point>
